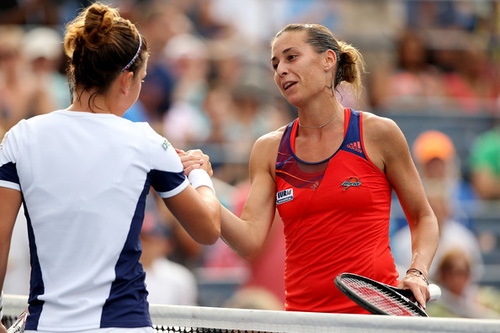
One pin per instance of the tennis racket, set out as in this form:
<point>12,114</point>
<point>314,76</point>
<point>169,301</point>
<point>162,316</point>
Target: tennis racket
<point>18,326</point>
<point>380,298</point>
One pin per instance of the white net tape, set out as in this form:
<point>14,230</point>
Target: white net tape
<point>173,318</point>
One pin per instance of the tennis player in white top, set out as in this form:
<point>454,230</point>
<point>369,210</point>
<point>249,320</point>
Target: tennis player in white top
<point>83,174</point>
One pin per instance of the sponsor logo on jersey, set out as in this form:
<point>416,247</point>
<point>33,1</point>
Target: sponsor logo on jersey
<point>284,196</point>
<point>166,144</point>
<point>356,146</point>
<point>351,182</point>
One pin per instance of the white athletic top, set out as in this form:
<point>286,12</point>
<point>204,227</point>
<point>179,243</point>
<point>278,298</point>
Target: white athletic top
<point>84,179</point>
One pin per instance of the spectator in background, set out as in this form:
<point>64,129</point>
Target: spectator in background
<point>445,14</point>
<point>452,234</point>
<point>439,167</point>
<point>246,20</point>
<point>167,282</point>
<point>206,24</point>
<point>470,79</point>
<point>20,96</point>
<point>451,197</point>
<point>160,21</point>
<point>484,163</point>
<point>187,57</point>
<point>252,116</point>
<point>10,65</point>
<point>461,295</point>
<point>217,106</point>
<point>413,84</point>
<point>229,65</point>
<point>43,50</point>
<point>44,12</point>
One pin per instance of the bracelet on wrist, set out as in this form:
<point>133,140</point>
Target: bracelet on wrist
<point>418,273</point>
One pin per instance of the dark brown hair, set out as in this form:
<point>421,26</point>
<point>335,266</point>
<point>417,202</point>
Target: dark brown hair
<point>99,44</point>
<point>350,64</point>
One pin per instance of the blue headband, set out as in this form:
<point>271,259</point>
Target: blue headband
<point>135,57</point>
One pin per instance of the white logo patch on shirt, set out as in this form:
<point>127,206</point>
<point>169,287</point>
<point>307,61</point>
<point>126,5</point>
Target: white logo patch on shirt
<point>284,196</point>
<point>166,144</point>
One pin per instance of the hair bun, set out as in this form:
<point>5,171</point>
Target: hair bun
<point>98,22</point>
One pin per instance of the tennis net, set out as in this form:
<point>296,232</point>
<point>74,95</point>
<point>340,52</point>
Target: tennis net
<point>195,319</point>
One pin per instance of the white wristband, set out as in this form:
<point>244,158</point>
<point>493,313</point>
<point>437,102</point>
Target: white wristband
<point>199,177</point>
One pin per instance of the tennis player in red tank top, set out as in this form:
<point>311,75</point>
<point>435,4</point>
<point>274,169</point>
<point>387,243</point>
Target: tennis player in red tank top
<point>339,214</point>
<point>330,173</point>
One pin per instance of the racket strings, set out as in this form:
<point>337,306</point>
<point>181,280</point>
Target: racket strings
<point>387,302</point>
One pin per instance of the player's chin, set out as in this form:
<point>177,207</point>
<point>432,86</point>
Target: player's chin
<point>294,99</point>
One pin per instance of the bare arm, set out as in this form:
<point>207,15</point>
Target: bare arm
<point>198,211</point>
<point>395,160</point>
<point>10,202</point>
<point>247,234</point>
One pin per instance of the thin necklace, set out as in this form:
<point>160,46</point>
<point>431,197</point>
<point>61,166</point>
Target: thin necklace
<point>320,126</point>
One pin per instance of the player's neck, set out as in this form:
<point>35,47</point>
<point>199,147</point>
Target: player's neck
<point>85,103</point>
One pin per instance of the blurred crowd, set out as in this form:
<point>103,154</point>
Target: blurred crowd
<point>210,86</point>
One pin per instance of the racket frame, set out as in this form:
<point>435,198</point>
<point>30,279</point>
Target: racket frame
<point>18,325</point>
<point>403,294</point>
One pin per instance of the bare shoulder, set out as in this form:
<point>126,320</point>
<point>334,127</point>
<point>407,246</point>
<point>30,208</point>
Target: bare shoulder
<point>380,128</point>
<point>265,151</point>
<point>383,140</point>
<point>270,140</point>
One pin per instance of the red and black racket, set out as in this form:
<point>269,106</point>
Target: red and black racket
<point>18,326</point>
<point>380,298</point>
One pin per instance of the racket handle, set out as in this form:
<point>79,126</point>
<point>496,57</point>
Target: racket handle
<point>435,292</point>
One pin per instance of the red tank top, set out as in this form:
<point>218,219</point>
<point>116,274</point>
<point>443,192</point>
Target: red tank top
<point>336,219</point>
